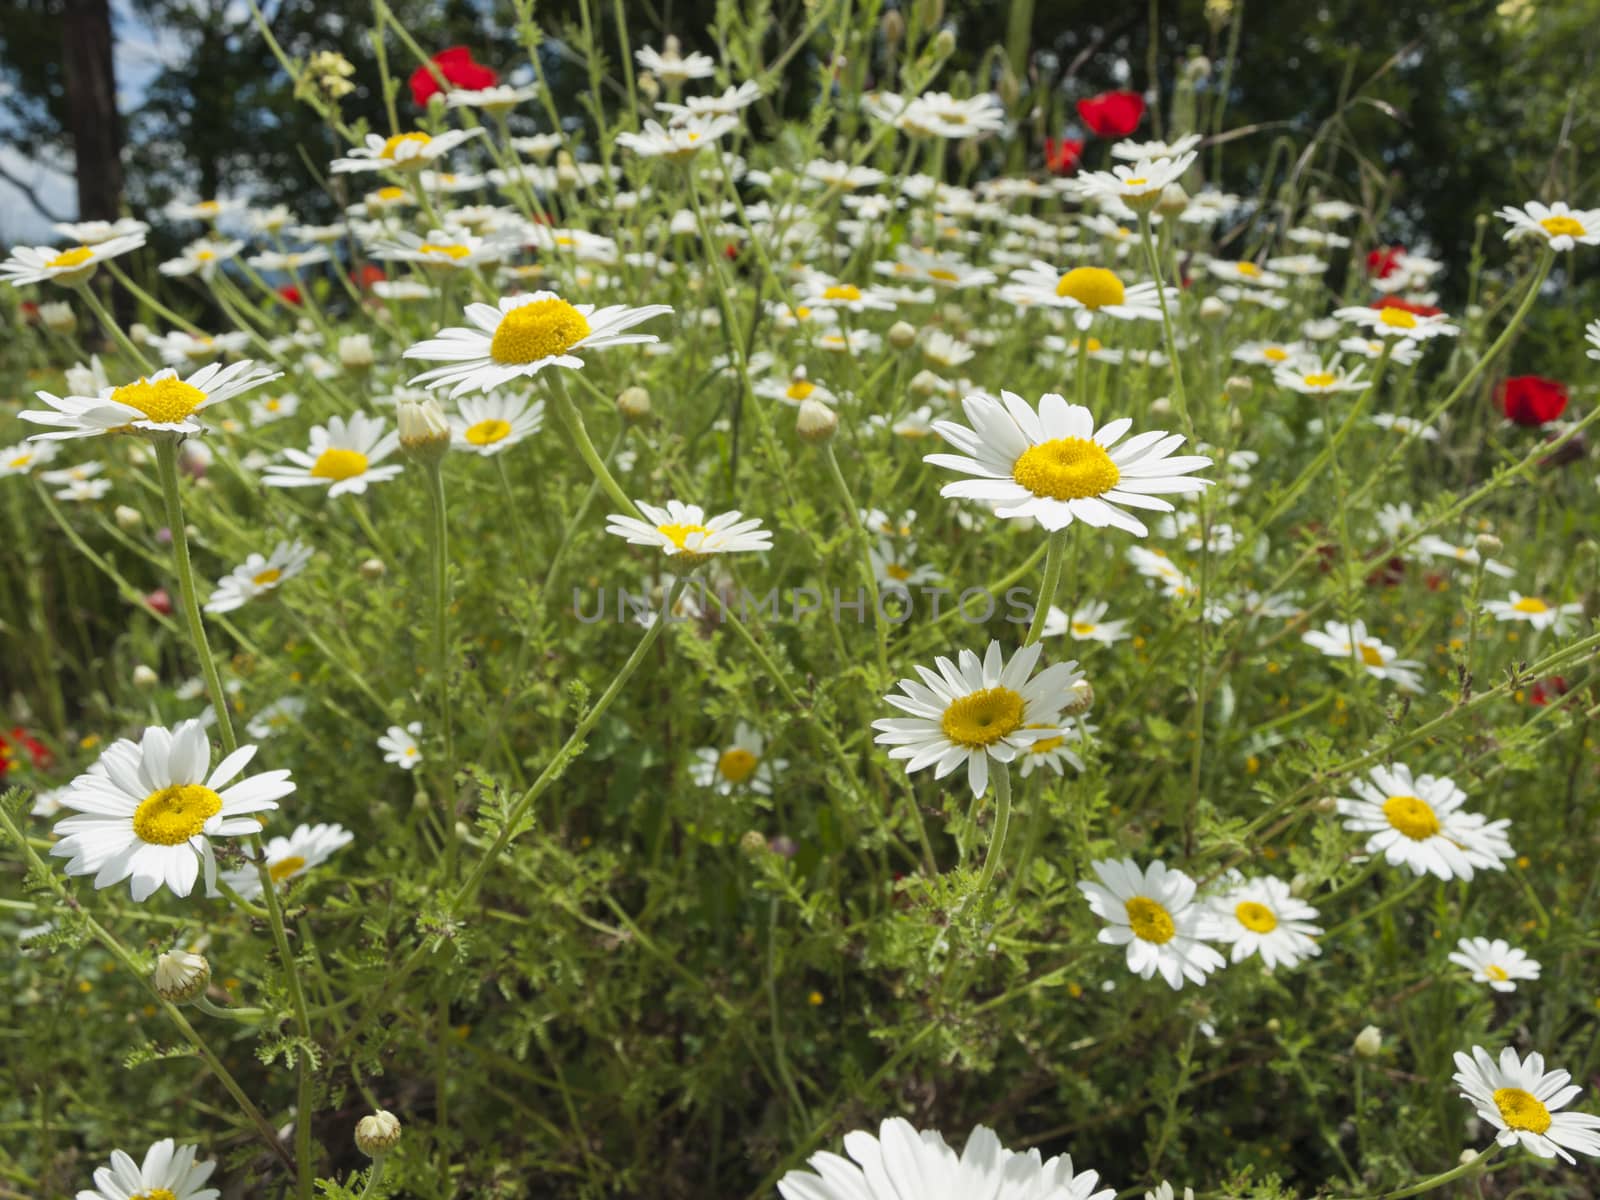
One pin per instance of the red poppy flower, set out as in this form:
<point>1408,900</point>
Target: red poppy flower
<point>1546,690</point>
<point>1532,399</point>
<point>290,295</point>
<point>159,601</point>
<point>456,65</point>
<point>1383,261</point>
<point>1062,155</point>
<point>17,741</point>
<point>1112,114</point>
<point>1410,306</point>
<point>367,276</point>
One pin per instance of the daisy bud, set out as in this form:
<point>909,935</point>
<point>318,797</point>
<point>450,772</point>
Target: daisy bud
<point>1161,406</point>
<point>355,352</point>
<point>1008,87</point>
<point>753,844</point>
<point>1274,1025</point>
<point>1326,805</point>
<point>372,569</point>
<point>1238,387</point>
<point>1213,309</point>
<point>1369,1042</point>
<point>816,421</point>
<point>144,678</point>
<point>649,87</point>
<point>893,28</point>
<point>1487,544</point>
<point>566,172</point>
<point>424,432</point>
<point>128,518</point>
<point>1172,200</point>
<point>1299,885</point>
<point>1218,14</point>
<point>139,332</point>
<point>634,405</point>
<point>1468,1157</point>
<point>926,383</point>
<point>181,976</point>
<point>902,335</point>
<point>378,1133</point>
<point>1082,699</point>
<point>945,44</point>
<point>1197,68</point>
<point>58,317</point>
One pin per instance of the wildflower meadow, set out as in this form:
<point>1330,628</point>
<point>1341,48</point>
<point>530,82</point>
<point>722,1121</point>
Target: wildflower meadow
<point>823,603</point>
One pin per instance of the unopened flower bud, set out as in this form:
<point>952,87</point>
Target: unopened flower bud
<point>634,404</point>
<point>816,422</point>
<point>355,352</point>
<point>1299,885</point>
<point>1274,1025</point>
<point>902,335</point>
<point>1082,699</point>
<point>128,518</point>
<point>1326,805</point>
<point>181,976</point>
<point>1008,87</point>
<point>753,844</point>
<point>1144,202</point>
<point>372,569</point>
<point>893,27</point>
<point>58,317</point>
<point>1160,406</point>
<point>1214,309</point>
<point>1238,387</point>
<point>1197,68</point>
<point>926,383</point>
<point>1487,544</point>
<point>377,1134</point>
<point>945,44</point>
<point>649,87</point>
<point>566,172</point>
<point>1468,1157</point>
<point>144,678</point>
<point>139,332</point>
<point>1369,1042</point>
<point>1172,201</point>
<point>424,432</point>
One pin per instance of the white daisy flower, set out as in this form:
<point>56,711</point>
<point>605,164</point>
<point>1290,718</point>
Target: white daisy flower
<point>1087,291</point>
<point>1534,611</point>
<point>821,291</point>
<point>1522,1100</point>
<point>940,114</point>
<point>683,533</point>
<point>1310,377</point>
<point>900,1162</point>
<point>523,335</point>
<point>178,348</point>
<point>275,260</point>
<point>201,258</point>
<point>1261,916</point>
<point>792,390</point>
<point>1271,354</point>
<point>343,457</point>
<point>1153,912</point>
<point>682,139</point>
<point>150,814</point>
<point>1591,334</point>
<point>1399,323</point>
<point>1086,624</point>
<point>1557,224</point>
<point>1130,151</point>
<point>258,576</point>
<point>671,66</point>
<point>403,151</point>
<point>169,1172</point>
<point>1403,352</point>
<point>69,265</point>
<point>743,763</point>
<point>893,565</point>
<point>161,403</point>
<point>1055,466</point>
<point>1144,179</point>
<point>1415,821</point>
<point>266,409</point>
<point>1338,640</point>
<point>287,857</point>
<point>1245,272</point>
<point>489,424</point>
<point>283,713</point>
<point>972,710</point>
<point>452,250</point>
<point>840,176</point>
<point>203,210</point>
<point>942,270</point>
<point>1496,962</point>
<point>733,100</point>
<point>1409,426</point>
<point>1051,750</point>
<point>1434,546</point>
<point>399,745</point>
<point>499,99</point>
<point>92,233</point>
<point>25,456</point>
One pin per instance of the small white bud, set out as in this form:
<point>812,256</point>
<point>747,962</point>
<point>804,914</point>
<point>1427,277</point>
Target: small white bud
<point>902,335</point>
<point>144,678</point>
<point>128,518</point>
<point>377,1134</point>
<point>634,404</point>
<point>816,422</point>
<point>181,976</point>
<point>355,352</point>
<point>424,432</point>
<point>1369,1042</point>
<point>1213,309</point>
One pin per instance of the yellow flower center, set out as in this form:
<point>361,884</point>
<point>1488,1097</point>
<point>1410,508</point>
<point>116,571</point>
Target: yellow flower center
<point>842,291</point>
<point>541,329</point>
<point>1092,287</point>
<point>204,255</point>
<point>286,867</point>
<point>1257,918</point>
<point>1521,1110</point>
<point>337,464</point>
<point>1136,181</point>
<point>272,405</point>
<point>737,765</point>
<point>20,461</point>
<point>678,535</point>
<point>802,313</point>
<point>1370,654</point>
<point>799,389</point>
<point>451,250</point>
<point>75,257</point>
<point>208,207</point>
<point>1274,354</point>
<point>155,1193</point>
<point>1093,345</point>
<point>1411,816</point>
<point>1498,974</point>
<point>1563,227</point>
<point>1150,921</point>
<point>391,147</point>
<point>267,578</point>
<point>1530,604</point>
<point>1319,379</point>
<point>1083,627</point>
<point>1249,270</point>
<point>944,276</point>
<point>1397,318</point>
<point>487,433</point>
<point>1066,469</point>
<point>173,815</point>
<point>896,571</point>
<point>982,718</point>
<point>390,194</point>
<point>167,401</point>
<point>1045,745</point>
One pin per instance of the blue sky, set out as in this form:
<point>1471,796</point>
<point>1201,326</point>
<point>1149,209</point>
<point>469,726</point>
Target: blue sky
<point>140,52</point>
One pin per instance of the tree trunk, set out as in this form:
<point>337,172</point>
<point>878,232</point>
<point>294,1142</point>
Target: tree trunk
<point>92,117</point>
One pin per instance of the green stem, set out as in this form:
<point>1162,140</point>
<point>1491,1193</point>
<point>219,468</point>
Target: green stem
<point>1438,1181</point>
<point>109,324</point>
<point>439,551</point>
<point>1000,773</point>
<point>571,422</point>
<point>864,540</point>
<point>1166,325</point>
<point>1047,589</point>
